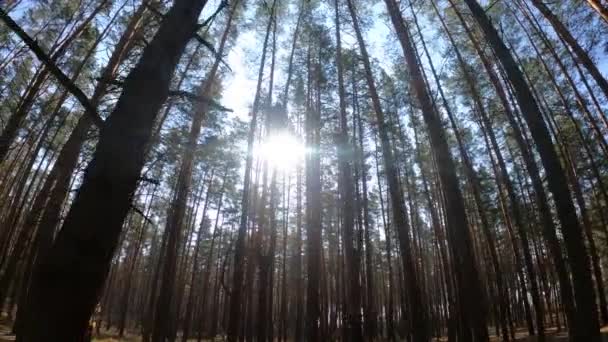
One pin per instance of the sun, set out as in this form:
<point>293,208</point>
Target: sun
<point>281,150</point>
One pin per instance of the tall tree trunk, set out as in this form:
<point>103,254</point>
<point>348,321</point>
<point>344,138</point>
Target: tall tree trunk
<point>240,249</point>
<point>313,209</point>
<point>346,185</point>
<point>67,282</point>
<point>548,226</point>
<point>420,326</point>
<point>469,283</point>
<point>371,319</point>
<point>587,324</point>
<point>175,221</point>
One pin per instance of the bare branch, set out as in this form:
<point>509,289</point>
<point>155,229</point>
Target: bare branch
<point>53,68</point>
<point>141,213</point>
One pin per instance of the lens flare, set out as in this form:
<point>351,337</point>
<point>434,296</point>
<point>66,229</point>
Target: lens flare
<point>281,150</point>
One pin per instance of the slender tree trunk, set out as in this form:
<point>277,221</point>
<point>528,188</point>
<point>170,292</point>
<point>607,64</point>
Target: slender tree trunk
<point>469,283</point>
<point>240,249</point>
<point>313,210</point>
<point>178,207</point>
<point>346,185</point>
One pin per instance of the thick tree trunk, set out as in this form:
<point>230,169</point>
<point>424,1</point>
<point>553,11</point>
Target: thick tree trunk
<point>68,280</point>
<point>587,327</point>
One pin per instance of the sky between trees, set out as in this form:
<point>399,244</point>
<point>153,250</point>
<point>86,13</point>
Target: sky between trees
<point>302,170</point>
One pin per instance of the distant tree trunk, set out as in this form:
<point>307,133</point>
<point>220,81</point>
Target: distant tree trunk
<point>313,211</point>
<point>587,324</point>
<point>68,280</point>
<point>240,248</point>
<point>420,326</point>
<point>294,42</point>
<point>371,319</point>
<point>346,185</point>
<point>390,326</point>
<point>297,272</point>
<point>175,221</point>
<point>200,235</point>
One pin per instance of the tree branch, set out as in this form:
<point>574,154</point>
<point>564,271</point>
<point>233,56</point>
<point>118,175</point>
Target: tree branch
<point>193,97</point>
<point>223,4</point>
<point>53,68</point>
<point>149,180</point>
<point>141,213</point>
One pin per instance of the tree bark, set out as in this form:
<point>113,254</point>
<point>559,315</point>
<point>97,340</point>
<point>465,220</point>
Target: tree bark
<point>601,9</point>
<point>467,275</point>
<point>587,327</point>
<point>67,282</point>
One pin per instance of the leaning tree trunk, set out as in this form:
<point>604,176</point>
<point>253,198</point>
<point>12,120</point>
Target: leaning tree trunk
<point>601,9</point>
<point>565,34</point>
<point>67,282</point>
<point>587,324</point>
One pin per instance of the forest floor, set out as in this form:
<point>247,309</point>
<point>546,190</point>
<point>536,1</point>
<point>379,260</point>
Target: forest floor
<point>111,336</point>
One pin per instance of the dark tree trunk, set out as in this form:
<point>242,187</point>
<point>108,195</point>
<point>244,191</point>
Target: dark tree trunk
<point>587,324</point>
<point>467,275</point>
<point>67,282</point>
